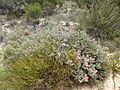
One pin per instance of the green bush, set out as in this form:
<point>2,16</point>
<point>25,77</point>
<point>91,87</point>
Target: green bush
<point>60,2</point>
<point>33,11</point>
<point>48,8</point>
<point>102,20</point>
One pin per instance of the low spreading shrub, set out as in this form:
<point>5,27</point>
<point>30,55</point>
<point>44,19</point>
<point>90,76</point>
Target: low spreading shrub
<point>53,58</point>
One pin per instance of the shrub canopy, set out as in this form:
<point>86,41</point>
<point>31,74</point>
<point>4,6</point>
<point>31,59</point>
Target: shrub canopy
<point>53,58</point>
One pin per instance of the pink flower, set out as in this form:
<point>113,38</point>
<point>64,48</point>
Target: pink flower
<point>86,78</point>
<point>86,65</point>
<point>78,55</point>
<point>94,73</point>
<point>78,52</point>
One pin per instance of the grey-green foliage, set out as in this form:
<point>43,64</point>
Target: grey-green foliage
<point>6,3</point>
<point>53,57</point>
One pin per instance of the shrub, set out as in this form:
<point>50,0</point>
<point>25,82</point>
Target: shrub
<point>111,45</point>
<point>85,3</point>
<point>48,8</point>
<point>16,7</point>
<point>60,2</point>
<point>53,58</point>
<point>102,20</point>
<point>12,7</point>
<point>33,11</point>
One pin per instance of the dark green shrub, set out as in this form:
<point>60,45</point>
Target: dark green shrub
<point>12,7</point>
<point>102,20</point>
<point>48,8</point>
<point>49,5</point>
<point>33,11</point>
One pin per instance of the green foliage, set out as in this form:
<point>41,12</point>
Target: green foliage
<point>2,74</point>
<point>48,7</point>
<point>36,70</point>
<point>102,20</point>
<point>60,2</point>
<point>8,51</point>
<point>33,11</point>
<point>117,41</point>
<point>116,62</point>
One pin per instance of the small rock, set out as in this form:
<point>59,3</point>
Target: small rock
<point>7,30</point>
<point>19,22</point>
<point>41,19</point>
<point>69,9</point>
<point>58,6</point>
<point>77,24</point>
<point>7,25</point>
<point>71,23</point>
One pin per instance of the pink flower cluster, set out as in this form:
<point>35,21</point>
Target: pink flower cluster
<point>78,55</point>
<point>95,72</point>
<point>85,78</point>
<point>86,65</point>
